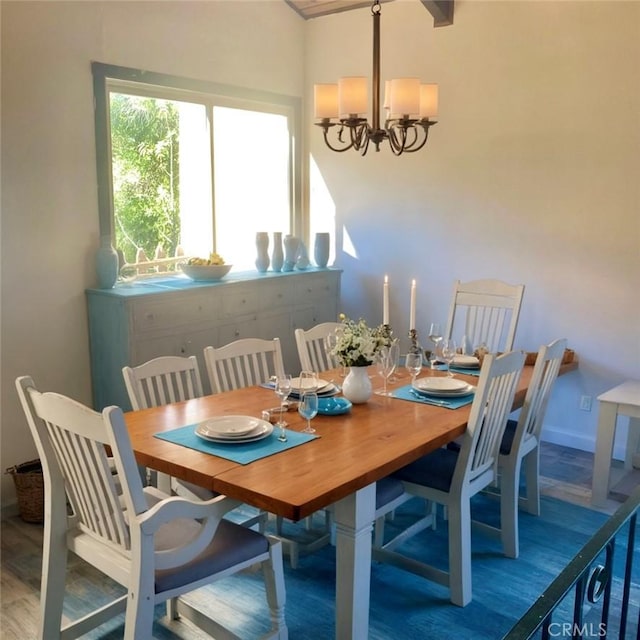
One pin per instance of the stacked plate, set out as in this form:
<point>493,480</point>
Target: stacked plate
<point>443,387</point>
<point>465,362</point>
<point>234,429</point>
<point>324,388</point>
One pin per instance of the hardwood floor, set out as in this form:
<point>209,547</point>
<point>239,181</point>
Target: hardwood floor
<point>565,474</point>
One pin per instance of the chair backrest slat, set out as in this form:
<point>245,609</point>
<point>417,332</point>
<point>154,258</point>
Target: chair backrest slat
<point>488,418</point>
<point>162,381</point>
<point>71,441</point>
<point>243,363</point>
<point>535,404</point>
<point>486,311</point>
<point>311,346</point>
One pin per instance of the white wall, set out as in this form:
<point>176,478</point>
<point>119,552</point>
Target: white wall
<point>531,176</point>
<point>49,198</point>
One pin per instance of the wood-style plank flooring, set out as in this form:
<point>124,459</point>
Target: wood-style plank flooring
<point>565,474</point>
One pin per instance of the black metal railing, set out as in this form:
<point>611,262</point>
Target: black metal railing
<point>605,596</point>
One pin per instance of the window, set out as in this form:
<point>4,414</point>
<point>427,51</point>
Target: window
<point>193,167</point>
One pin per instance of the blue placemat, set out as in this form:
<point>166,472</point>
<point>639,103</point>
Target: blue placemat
<point>407,393</point>
<point>241,453</point>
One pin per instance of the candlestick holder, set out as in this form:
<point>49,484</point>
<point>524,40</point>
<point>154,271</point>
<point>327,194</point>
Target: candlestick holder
<point>414,347</point>
<point>387,333</point>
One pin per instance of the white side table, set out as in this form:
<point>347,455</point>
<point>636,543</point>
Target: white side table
<point>621,400</point>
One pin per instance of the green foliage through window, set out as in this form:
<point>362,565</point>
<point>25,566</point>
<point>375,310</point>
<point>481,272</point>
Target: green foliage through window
<point>145,166</point>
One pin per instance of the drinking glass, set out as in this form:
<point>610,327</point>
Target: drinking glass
<point>435,335</point>
<point>308,408</point>
<point>386,362</point>
<point>308,382</point>
<point>330,343</point>
<point>282,389</point>
<point>413,364</point>
<point>465,346</point>
<point>448,352</point>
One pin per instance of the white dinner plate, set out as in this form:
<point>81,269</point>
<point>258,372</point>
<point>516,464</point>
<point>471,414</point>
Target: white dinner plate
<point>264,430</point>
<point>440,384</point>
<point>230,426</point>
<point>328,390</point>
<point>468,362</point>
<point>464,391</point>
<point>302,385</point>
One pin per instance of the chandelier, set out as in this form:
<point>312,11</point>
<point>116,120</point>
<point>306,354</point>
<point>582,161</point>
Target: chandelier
<point>408,106</point>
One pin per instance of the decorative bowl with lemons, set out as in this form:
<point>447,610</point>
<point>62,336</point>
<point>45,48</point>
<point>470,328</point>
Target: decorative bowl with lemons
<point>206,269</point>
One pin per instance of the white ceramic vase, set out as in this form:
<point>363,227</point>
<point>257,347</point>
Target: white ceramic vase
<point>262,247</point>
<point>357,385</point>
<point>321,249</point>
<point>277,257</point>
<point>291,246</point>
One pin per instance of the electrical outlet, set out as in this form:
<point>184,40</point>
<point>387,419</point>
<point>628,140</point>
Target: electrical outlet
<point>585,403</point>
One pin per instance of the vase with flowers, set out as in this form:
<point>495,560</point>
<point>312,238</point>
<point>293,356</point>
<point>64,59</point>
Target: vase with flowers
<point>356,347</point>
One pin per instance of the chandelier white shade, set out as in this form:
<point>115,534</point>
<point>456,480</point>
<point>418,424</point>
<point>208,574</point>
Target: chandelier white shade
<point>408,108</point>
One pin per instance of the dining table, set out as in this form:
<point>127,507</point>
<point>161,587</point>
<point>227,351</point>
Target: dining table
<point>339,467</point>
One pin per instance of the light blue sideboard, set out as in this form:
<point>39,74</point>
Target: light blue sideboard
<point>133,323</point>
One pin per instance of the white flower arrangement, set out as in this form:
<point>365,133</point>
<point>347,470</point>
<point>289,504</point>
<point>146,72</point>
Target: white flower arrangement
<point>357,344</point>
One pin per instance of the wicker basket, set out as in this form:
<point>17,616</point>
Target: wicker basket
<point>29,483</point>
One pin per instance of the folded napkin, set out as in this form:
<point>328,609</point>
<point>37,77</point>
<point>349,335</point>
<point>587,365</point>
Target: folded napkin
<point>409,393</point>
<point>242,453</point>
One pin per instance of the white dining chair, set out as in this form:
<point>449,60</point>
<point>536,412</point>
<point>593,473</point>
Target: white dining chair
<point>521,444</point>
<point>485,312</point>
<point>252,361</point>
<point>243,363</point>
<point>451,477</point>
<point>312,346</point>
<point>156,546</point>
<point>164,380</point>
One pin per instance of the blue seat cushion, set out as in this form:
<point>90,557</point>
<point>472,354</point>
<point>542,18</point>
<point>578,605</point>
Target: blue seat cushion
<point>388,489</point>
<point>507,438</point>
<point>434,470</point>
<point>231,544</point>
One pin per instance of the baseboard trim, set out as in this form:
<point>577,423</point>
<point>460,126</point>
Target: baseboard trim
<point>555,435</point>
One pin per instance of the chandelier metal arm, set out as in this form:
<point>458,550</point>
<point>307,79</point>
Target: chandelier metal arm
<point>325,124</point>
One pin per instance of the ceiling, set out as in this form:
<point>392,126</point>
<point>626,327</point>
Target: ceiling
<point>441,10</point>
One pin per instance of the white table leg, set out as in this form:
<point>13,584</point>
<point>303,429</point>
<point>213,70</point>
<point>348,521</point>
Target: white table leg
<point>604,450</point>
<point>354,523</point>
<point>633,443</point>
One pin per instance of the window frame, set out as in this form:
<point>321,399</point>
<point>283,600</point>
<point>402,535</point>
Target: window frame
<point>112,78</point>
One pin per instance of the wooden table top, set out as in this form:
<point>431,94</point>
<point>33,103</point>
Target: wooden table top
<point>353,450</point>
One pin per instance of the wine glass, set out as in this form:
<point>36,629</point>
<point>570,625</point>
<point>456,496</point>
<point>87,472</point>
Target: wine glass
<point>330,344</point>
<point>282,389</point>
<point>465,346</point>
<point>435,335</point>
<point>308,382</point>
<point>308,408</point>
<point>386,362</point>
<point>413,364</point>
<point>448,352</point>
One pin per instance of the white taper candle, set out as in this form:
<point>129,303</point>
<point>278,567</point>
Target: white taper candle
<point>385,300</point>
<point>412,310</point>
